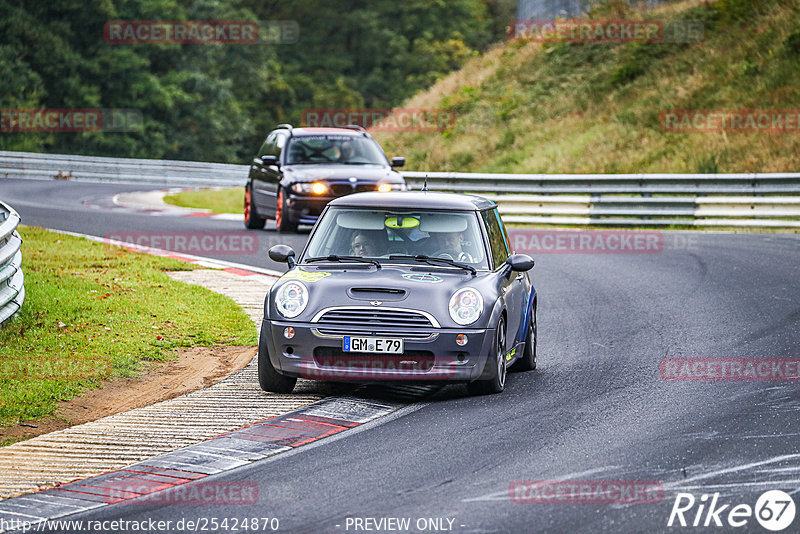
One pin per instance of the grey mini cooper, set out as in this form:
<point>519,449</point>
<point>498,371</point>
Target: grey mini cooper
<point>403,286</point>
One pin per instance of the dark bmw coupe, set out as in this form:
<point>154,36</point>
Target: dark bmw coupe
<point>297,171</point>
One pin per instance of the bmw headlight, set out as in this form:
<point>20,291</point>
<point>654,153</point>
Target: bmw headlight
<point>291,299</point>
<point>317,188</point>
<point>466,306</point>
<point>385,188</point>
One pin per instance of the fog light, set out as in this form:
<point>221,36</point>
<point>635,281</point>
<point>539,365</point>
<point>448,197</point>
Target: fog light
<point>288,332</point>
<point>318,188</point>
<point>461,340</point>
<point>384,188</point>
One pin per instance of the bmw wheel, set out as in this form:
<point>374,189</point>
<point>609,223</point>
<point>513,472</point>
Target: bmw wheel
<point>251,219</point>
<point>282,215</point>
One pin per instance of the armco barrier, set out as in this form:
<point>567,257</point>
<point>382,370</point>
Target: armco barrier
<point>99,169</point>
<point>745,200</point>
<point>12,288</point>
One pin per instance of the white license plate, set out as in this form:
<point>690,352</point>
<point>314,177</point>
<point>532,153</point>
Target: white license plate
<point>372,344</point>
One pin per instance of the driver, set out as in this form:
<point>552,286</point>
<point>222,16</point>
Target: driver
<point>451,244</point>
<point>365,244</point>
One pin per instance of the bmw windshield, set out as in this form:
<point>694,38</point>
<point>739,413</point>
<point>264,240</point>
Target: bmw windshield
<point>346,149</point>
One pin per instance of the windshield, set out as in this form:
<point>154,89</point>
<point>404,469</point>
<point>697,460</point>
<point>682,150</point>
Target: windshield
<point>396,236</point>
<point>346,149</point>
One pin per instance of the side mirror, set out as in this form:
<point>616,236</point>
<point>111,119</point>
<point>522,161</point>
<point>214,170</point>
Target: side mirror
<point>520,262</point>
<point>282,254</point>
<point>398,162</point>
<point>269,160</point>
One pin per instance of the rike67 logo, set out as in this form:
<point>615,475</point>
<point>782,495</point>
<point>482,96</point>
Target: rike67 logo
<point>774,510</point>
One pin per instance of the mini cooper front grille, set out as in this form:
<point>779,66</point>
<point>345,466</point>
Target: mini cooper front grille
<point>350,331</point>
<point>369,317</point>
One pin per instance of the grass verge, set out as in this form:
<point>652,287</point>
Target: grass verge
<point>94,312</point>
<point>216,200</point>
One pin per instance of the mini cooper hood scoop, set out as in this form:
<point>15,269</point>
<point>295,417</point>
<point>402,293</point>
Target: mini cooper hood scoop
<point>384,294</point>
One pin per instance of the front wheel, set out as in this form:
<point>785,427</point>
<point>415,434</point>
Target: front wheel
<point>282,215</point>
<point>268,377</point>
<point>493,378</point>
<point>251,219</point>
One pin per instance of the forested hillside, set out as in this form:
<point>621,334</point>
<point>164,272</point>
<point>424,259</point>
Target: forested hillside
<point>215,102</point>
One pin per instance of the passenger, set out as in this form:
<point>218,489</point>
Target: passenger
<point>347,152</point>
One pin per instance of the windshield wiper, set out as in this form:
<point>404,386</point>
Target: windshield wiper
<point>344,259</point>
<point>434,261</point>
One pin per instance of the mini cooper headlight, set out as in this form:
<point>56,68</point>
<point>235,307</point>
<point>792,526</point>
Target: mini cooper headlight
<point>466,306</point>
<point>291,299</point>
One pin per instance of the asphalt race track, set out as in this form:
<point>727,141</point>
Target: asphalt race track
<point>597,409</point>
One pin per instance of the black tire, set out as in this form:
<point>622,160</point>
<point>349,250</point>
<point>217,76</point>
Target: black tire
<point>493,378</point>
<point>282,214</point>
<point>268,377</point>
<point>251,219</point>
<point>528,360</point>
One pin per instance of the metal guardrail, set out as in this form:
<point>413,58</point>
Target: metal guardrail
<point>745,200</point>
<point>100,169</point>
<point>12,281</point>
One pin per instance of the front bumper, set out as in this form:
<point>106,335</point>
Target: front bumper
<point>315,355</point>
<point>305,209</point>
